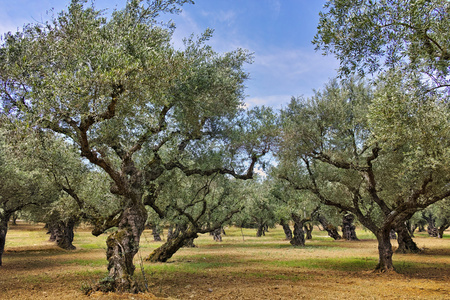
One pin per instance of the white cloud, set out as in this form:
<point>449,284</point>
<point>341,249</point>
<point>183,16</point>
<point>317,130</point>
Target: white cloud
<point>278,74</point>
<point>275,7</point>
<point>275,101</point>
<point>221,16</point>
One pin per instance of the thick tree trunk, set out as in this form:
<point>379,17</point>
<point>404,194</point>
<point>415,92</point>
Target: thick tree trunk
<point>122,246</point>
<point>3,231</point>
<point>173,244</point>
<point>155,232</point>
<point>348,229</point>
<point>51,229</point>
<point>411,227</point>
<point>217,234</point>
<point>260,230</point>
<point>287,230</point>
<point>330,228</point>
<point>189,242</point>
<point>170,232</point>
<point>384,251</point>
<point>405,242</point>
<point>298,238</point>
<point>442,229</point>
<point>65,235</point>
<point>308,229</point>
<point>431,229</point>
<point>14,218</point>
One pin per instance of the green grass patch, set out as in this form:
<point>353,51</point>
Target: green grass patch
<point>31,279</point>
<point>91,246</point>
<point>91,273</point>
<point>347,264</point>
<point>86,262</point>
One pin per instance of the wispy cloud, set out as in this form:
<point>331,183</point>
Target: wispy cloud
<point>278,74</point>
<point>275,101</point>
<point>275,7</point>
<point>221,16</point>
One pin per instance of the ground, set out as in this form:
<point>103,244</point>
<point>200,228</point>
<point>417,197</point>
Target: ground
<point>241,267</point>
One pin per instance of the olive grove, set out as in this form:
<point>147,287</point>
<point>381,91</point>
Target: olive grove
<point>135,107</point>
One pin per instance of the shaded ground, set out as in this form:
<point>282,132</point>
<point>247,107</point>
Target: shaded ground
<point>256,268</point>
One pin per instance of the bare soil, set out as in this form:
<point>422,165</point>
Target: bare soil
<point>257,268</point>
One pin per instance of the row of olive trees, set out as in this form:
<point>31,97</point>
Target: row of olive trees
<point>379,150</point>
<point>135,109</point>
<point>164,130</point>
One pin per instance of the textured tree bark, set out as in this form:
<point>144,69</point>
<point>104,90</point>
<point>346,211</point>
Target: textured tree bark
<point>217,234</point>
<point>260,230</point>
<point>3,231</point>
<point>431,229</point>
<point>172,245</point>
<point>122,246</point>
<point>64,234</point>
<point>330,228</point>
<point>442,229</point>
<point>287,230</point>
<point>170,232</point>
<point>189,243</point>
<point>411,227</point>
<point>405,242</point>
<point>348,229</point>
<point>14,218</point>
<point>308,229</point>
<point>298,238</point>
<point>155,232</point>
<point>51,229</point>
<point>384,251</point>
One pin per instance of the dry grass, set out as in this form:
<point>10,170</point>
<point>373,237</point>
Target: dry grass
<point>256,268</point>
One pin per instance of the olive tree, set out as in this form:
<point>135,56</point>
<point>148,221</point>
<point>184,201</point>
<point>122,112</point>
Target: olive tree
<point>134,106</point>
<point>373,36</point>
<point>337,146</point>
<point>22,182</point>
<point>195,205</point>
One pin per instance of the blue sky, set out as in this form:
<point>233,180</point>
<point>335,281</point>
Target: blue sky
<point>278,32</point>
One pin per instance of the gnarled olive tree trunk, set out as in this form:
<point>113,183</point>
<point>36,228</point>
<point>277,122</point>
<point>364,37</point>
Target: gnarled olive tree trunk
<point>62,233</point>
<point>122,246</point>
<point>384,250</point>
<point>3,231</point>
<point>442,228</point>
<point>65,235</point>
<point>287,230</point>
<point>261,229</point>
<point>330,228</point>
<point>308,230</point>
<point>298,238</point>
<point>177,240</point>
<point>405,242</point>
<point>51,229</point>
<point>431,229</point>
<point>348,228</point>
<point>217,234</point>
<point>411,226</point>
<point>156,233</point>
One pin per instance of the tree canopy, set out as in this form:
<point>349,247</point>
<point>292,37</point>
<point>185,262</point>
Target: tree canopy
<point>375,35</point>
<point>134,106</point>
<point>332,148</point>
